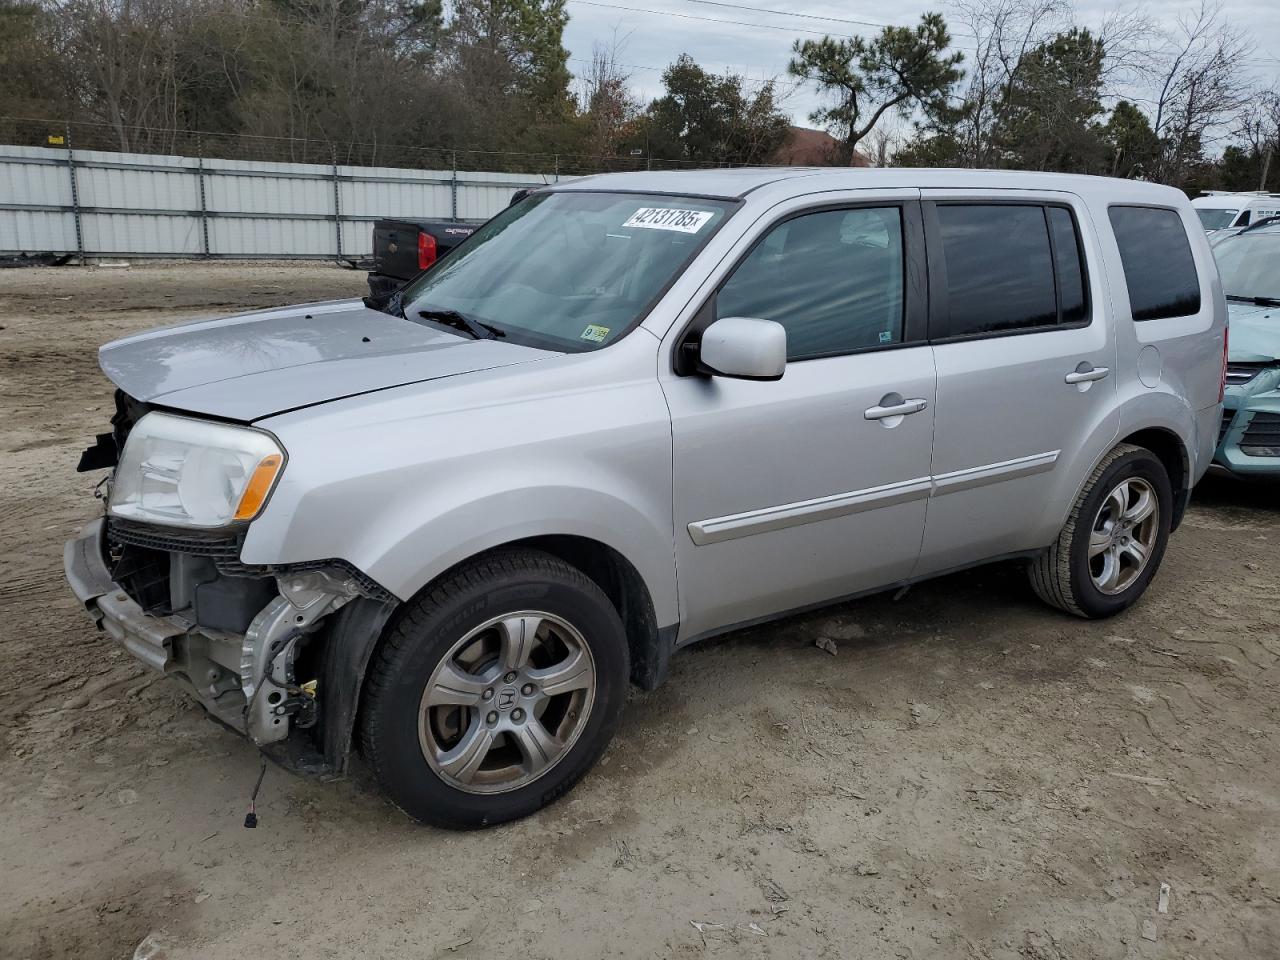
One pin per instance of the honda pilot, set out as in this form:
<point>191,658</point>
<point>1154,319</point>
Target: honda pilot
<point>631,412</point>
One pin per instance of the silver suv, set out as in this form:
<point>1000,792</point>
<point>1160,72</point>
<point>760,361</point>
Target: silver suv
<point>629,413</point>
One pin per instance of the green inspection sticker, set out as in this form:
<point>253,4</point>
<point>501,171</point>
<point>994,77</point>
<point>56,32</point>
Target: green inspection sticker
<point>594,333</point>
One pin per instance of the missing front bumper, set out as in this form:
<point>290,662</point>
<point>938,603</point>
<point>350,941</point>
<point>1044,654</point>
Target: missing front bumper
<point>147,637</point>
<point>247,680</point>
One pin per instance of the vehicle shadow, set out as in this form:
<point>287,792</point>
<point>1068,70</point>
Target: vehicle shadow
<point>967,605</point>
<point>1231,492</point>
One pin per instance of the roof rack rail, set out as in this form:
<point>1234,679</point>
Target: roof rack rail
<point>1238,193</point>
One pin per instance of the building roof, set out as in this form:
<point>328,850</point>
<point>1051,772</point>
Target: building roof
<point>806,147</point>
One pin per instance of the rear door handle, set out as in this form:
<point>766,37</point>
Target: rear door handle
<point>903,409</point>
<point>1084,376</point>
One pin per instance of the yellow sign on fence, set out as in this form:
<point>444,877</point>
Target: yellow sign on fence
<point>57,140</point>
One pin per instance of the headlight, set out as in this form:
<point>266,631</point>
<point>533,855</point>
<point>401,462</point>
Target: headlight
<point>194,473</point>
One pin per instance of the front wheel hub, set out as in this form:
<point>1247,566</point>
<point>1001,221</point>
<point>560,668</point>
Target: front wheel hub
<point>507,702</point>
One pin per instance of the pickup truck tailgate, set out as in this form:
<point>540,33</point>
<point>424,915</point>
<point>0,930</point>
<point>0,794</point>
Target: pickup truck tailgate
<point>395,248</point>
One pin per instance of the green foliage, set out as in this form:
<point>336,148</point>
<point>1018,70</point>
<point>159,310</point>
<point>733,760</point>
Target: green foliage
<point>710,119</point>
<point>25,60</point>
<point>492,75</point>
<point>1048,118</point>
<point>514,48</point>
<point>1241,169</point>
<point>937,149</point>
<point>409,82</point>
<point>903,68</point>
<point>1133,145</point>
<point>1034,96</point>
<point>1047,115</point>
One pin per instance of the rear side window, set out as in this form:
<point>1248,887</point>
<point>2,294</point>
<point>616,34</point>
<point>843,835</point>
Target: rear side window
<point>1159,269</point>
<point>1000,268</point>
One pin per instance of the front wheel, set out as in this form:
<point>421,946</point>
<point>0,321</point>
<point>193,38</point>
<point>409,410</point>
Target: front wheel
<point>1114,540</point>
<point>495,691</point>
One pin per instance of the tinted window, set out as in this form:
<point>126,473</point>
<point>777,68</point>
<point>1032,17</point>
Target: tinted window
<point>833,279</point>
<point>999,268</point>
<point>1070,266</point>
<point>1158,267</point>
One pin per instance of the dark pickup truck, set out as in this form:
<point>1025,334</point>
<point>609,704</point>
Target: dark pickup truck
<point>404,248</point>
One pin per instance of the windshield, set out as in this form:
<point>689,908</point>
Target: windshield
<point>568,271</point>
<point>1249,264</point>
<point>1216,219</point>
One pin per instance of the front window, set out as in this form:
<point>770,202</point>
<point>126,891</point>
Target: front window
<point>1249,265</point>
<point>833,279</point>
<point>1214,218</point>
<point>568,271</point>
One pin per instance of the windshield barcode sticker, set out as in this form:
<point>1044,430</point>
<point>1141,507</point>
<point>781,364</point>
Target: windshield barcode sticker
<point>668,218</point>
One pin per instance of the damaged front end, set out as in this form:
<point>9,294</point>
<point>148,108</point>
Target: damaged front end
<point>276,653</point>
<point>265,650</point>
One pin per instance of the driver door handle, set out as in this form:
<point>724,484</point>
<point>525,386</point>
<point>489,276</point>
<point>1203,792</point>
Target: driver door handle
<point>1084,376</point>
<point>906,408</point>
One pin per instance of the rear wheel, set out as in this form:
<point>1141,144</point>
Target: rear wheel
<point>1114,540</point>
<point>495,691</point>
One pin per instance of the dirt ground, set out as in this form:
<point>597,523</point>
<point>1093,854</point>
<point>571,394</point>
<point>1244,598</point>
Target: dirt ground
<point>971,776</point>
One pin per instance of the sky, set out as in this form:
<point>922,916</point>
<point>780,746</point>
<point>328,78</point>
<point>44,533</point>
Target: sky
<point>652,33</point>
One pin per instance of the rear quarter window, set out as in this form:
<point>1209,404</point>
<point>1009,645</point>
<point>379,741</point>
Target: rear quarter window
<point>1159,269</point>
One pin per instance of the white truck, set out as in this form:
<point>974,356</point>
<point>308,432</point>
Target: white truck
<point>1224,209</point>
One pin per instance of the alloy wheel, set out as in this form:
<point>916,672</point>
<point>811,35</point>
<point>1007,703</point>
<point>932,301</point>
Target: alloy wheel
<point>1124,535</point>
<point>507,702</point>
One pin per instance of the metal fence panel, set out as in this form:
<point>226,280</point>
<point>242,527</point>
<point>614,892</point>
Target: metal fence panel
<point>48,179</point>
<point>97,203</point>
<point>114,234</point>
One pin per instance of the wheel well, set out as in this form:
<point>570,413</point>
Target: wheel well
<point>622,584</point>
<point>1166,445</point>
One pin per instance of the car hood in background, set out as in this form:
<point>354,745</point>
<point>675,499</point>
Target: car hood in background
<point>256,364</point>
<point>1255,333</point>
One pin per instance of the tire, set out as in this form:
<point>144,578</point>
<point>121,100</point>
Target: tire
<point>451,739</point>
<point>1066,576</point>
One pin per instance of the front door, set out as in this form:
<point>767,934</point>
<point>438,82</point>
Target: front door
<point>812,487</point>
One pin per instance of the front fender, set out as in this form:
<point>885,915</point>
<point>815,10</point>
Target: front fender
<point>436,541</point>
<point>405,535</point>
<point>409,482</point>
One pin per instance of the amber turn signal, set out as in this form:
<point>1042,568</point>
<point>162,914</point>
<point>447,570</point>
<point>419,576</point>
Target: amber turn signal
<point>255,494</point>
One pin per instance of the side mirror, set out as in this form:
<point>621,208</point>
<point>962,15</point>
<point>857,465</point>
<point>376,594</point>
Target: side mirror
<point>745,348</point>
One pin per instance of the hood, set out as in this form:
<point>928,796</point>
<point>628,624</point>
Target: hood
<point>253,365</point>
<point>1255,333</point>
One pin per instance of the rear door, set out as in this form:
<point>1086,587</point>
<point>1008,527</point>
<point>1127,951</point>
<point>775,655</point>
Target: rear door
<point>1026,370</point>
